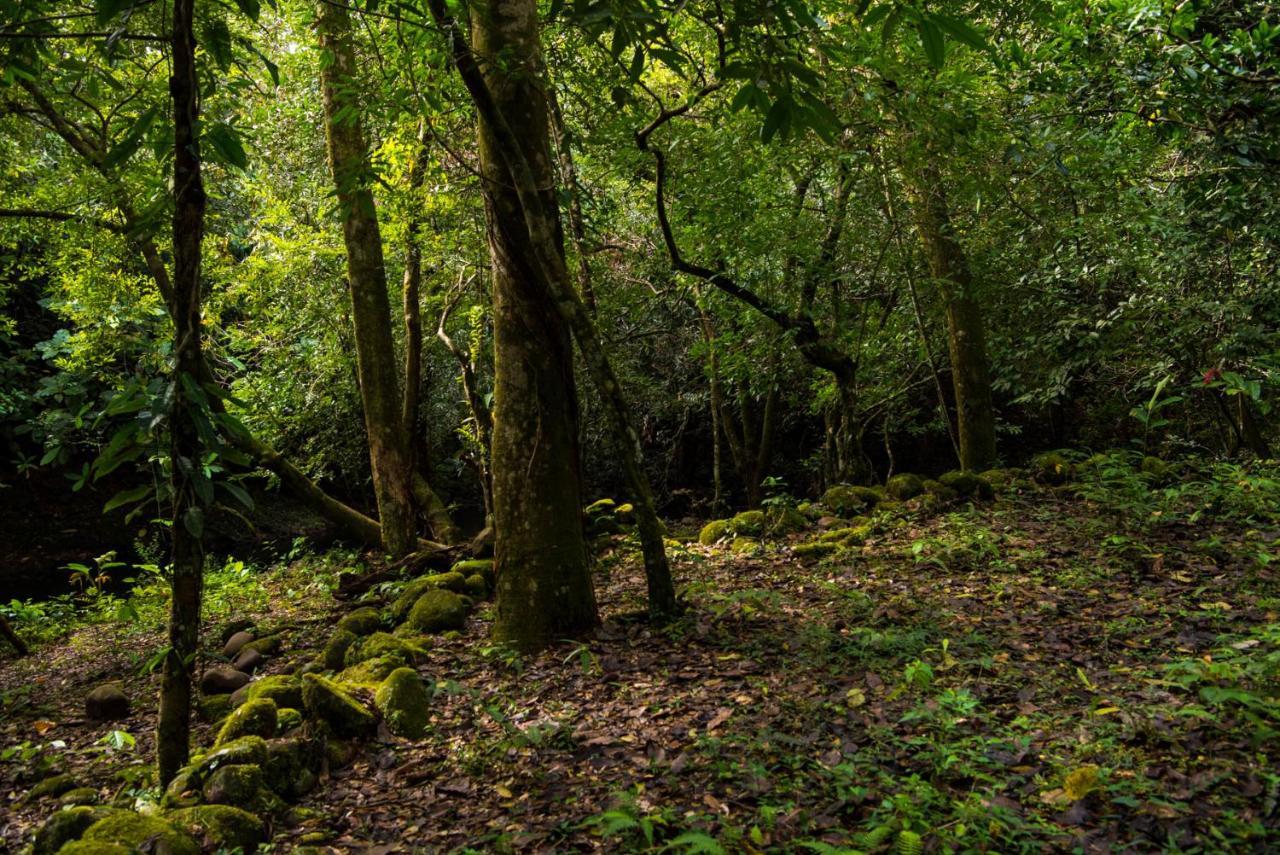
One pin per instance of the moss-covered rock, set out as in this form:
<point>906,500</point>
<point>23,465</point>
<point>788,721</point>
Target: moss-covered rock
<point>234,785</point>
<point>79,796</point>
<point>404,701</point>
<point>847,500</point>
<point>220,827</point>
<point>64,826</point>
<point>370,672</point>
<point>95,847</point>
<point>1154,467</point>
<point>904,486</point>
<point>362,621</point>
<point>326,701</point>
<point>814,549</point>
<point>253,718</point>
<point>600,507</point>
<point>247,750</point>
<point>781,521</point>
<point>1051,467</point>
<point>849,536</point>
<point>268,645</point>
<point>744,546</point>
<point>713,532</point>
<point>998,478</point>
<point>472,566</point>
<point>284,689</point>
<point>334,655</point>
<point>213,708</point>
<point>967,484</point>
<point>454,580</point>
<point>748,524</point>
<point>54,785</point>
<point>438,610</point>
<point>292,766</point>
<point>384,645</point>
<point>939,492</point>
<point>134,831</point>
<point>477,587</point>
<point>287,719</point>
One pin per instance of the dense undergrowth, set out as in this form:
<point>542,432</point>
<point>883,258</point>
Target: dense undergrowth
<point>1085,665</point>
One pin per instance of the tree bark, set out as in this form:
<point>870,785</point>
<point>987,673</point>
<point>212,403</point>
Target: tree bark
<point>13,638</point>
<point>367,281</point>
<point>173,730</point>
<point>569,180</point>
<point>476,404</point>
<point>544,585</point>
<point>966,335</point>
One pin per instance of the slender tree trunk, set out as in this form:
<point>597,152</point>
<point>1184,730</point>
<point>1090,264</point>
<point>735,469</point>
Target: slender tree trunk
<point>476,404</point>
<point>544,586</point>
<point>966,335</point>
<point>367,279</point>
<point>173,731</point>
<point>569,180</point>
<point>13,638</point>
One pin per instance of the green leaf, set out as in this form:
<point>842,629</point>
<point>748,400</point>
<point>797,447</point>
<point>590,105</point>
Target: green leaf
<point>217,41</point>
<point>108,9</point>
<point>239,493</point>
<point>777,120</point>
<point>935,48</point>
<point>127,497</point>
<point>961,31</point>
<point>226,145</point>
<point>251,8</point>
<point>124,149</point>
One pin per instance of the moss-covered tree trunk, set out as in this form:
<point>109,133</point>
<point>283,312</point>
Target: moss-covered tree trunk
<point>173,731</point>
<point>544,585</point>
<point>367,281</point>
<point>966,334</point>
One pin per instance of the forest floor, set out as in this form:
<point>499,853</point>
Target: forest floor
<point>1042,672</point>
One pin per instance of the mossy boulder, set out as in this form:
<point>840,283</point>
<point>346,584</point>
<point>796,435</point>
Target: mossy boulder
<point>849,536</point>
<point>904,486</point>
<point>369,672</point>
<point>781,521</point>
<point>744,546</point>
<point>815,549</point>
<point>748,524</point>
<point>64,826</point>
<point>95,847</point>
<point>472,566</point>
<point>1051,467</point>
<point>1154,467</point>
<point>362,621</point>
<point>326,701</point>
<point>213,708</point>
<point>54,785</point>
<point>600,507</point>
<point>292,766</point>
<point>477,586</point>
<point>939,492</point>
<point>234,785</point>
<point>403,700</point>
<point>384,645</point>
<point>268,645</point>
<point>253,718</point>
<point>284,689</point>
<point>847,500</point>
<point>713,532</point>
<point>79,796</point>
<point>438,610</point>
<point>220,827</point>
<point>135,831</point>
<point>967,484</point>
<point>334,655</point>
<point>454,580</point>
<point>287,719</point>
<point>247,750</point>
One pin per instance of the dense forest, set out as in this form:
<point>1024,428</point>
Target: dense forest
<point>833,426</point>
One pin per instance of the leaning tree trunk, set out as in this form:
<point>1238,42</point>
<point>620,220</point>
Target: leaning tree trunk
<point>544,585</point>
<point>367,279</point>
<point>13,638</point>
<point>173,731</point>
<point>966,335</point>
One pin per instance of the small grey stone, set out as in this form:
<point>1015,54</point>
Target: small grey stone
<point>222,679</point>
<point>235,642</point>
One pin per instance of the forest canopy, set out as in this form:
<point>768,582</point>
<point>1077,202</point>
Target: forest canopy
<point>411,344</point>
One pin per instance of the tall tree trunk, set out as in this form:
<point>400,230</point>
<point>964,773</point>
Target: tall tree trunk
<point>966,335</point>
<point>514,130</point>
<point>173,731</point>
<point>429,503</point>
<point>476,404</point>
<point>569,181</point>
<point>367,280</point>
<point>13,638</point>
<point>544,585</point>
